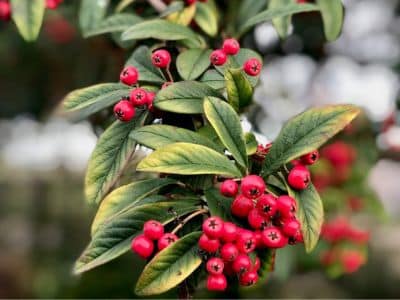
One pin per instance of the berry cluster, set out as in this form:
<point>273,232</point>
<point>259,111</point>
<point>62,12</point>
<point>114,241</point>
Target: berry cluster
<point>153,232</point>
<point>231,46</point>
<point>299,176</point>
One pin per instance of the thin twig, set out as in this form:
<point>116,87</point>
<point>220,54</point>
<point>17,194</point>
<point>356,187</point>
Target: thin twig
<point>158,5</point>
<point>188,218</point>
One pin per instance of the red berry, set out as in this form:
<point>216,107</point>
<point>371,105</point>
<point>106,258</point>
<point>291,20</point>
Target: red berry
<point>215,266</point>
<point>256,220</point>
<point>299,177</point>
<point>150,98</point>
<point>339,154</point>
<point>231,47</point>
<point>252,186</point>
<point>266,205</point>
<point>248,278</point>
<point>246,241</point>
<point>229,232</point>
<point>161,58</point>
<point>297,238</point>
<point>310,158</point>
<point>257,236</point>
<point>124,111</point>
<point>213,227</point>
<point>166,240</point>
<point>242,263</point>
<point>252,67</point>
<point>5,11</point>
<point>138,97</point>
<point>53,4</point>
<point>166,84</point>
<point>241,206</point>
<point>208,245</point>
<point>218,57</point>
<point>291,228</point>
<point>229,252</point>
<point>154,230</point>
<point>272,237</point>
<point>229,188</point>
<point>216,282</point>
<point>286,206</point>
<point>142,246</point>
<point>129,75</point>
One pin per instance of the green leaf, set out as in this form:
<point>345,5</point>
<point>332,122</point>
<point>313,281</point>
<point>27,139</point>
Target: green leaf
<point>141,60</point>
<point>306,132</point>
<point>188,159</point>
<point>184,97</point>
<point>267,264</point>
<point>207,18</point>
<point>281,25</point>
<point>226,124</point>
<point>123,4</point>
<point>114,23</point>
<point>170,266</point>
<point>28,17</point>
<point>158,136</point>
<point>248,9</point>
<point>160,30</point>
<point>91,13</point>
<point>113,152</point>
<point>172,8</point>
<point>332,17</point>
<point>192,63</point>
<point>184,16</point>
<point>251,143</point>
<point>218,205</point>
<point>114,237</point>
<point>126,197</point>
<point>213,79</point>
<point>81,103</point>
<point>310,213</point>
<point>239,89</point>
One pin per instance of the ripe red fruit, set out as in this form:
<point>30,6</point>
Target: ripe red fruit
<point>339,154</point>
<point>138,97</point>
<point>252,186</point>
<point>129,75</point>
<point>242,263</point>
<point>208,245</point>
<point>252,67</point>
<point>241,206</point>
<point>124,111</point>
<point>256,220</point>
<point>150,98</point>
<point>5,10</point>
<point>231,47</point>
<point>229,232</point>
<point>161,58</point>
<point>216,282</point>
<point>142,246</point>
<point>215,266</point>
<point>229,188</point>
<point>213,227</point>
<point>291,227</point>
<point>153,230</point>
<point>218,57</point>
<point>272,237</point>
<point>351,260</point>
<point>257,236</point>
<point>266,205</point>
<point>286,206</point>
<point>299,177</point>
<point>53,4</point>
<point>229,252</point>
<point>166,240</point>
<point>246,241</point>
<point>310,158</point>
<point>248,278</point>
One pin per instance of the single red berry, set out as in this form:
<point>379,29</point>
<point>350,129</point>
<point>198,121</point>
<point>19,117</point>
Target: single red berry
<point>296,238</point>
<point>291,227</point>
<point>229,232</point>
<point>241,206</point>
<point>142,246</point>
<point>310,158</point>
<point>53,4</point>
<point>256,220</point>
<point>215,266</point>
<point>286,206</point>
<point>161,58</point>
<point>252,67</point>
<point>153,230</point>
<point>351,260</point>
<point>216,282</point>
<point>218,57</point>
<point>231,47</point>
<point>229,188</point>
<point>272,237</point>
<point>166,240</point>
<point>257,235</point>
<point>5,11</point>
<point>248,278</point>
<point>252,186</point>
<point>257,264</point>
<point>166,84</point>
<point>213,227</point>
<point>190,2</point>
<point>208,245</point>
<point>229,252</point>
<point>242,263</point>
<point>129,75</point>
<point>138,97</point>
<point>246,241</point>
<point>266,205</point>
<point>150,98</point>
<point>124,111</point>
<point>299,177</point>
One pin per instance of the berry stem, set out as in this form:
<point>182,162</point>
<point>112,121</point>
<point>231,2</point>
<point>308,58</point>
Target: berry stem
<point>188,218</point>
<point>158,5</point>
<point>170,78</point>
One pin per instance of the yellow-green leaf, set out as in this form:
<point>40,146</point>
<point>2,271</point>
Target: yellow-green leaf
<point>207,18</point>
<point>282,24</point>
<point>239,89</point>
<point>192,63</point>
<point>184,16</point>
<point>28,16</point>
<point>332,17</point>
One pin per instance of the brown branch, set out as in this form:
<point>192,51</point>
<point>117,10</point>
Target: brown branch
<point>188,218</point>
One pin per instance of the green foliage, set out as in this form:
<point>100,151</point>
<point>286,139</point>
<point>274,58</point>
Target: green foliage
<point>239,89</point>
<point>91,13</point>
<point>192,63</point>
<point>207,17</point>
<point>115,23</point>
<point>332,16</point>
<point>282,24</point>
<point>28,16</point>
<point>218,204</point>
